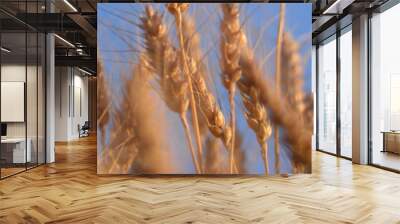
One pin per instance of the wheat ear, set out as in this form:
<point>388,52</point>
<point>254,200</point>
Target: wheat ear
<point>177,10</point>
<point>232,40</point>
<point>134,138</point>
<point>297,135</point>
<point>293,81</point>
<point>278,64</point>
<point>292,71</point>
<point>256,115</point>
<point>212,114</point>
<point>165,62</point>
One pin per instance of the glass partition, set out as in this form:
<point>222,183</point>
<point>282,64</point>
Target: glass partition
<point>327,96</point>
<point>22,78</point>
<point>14,155</point>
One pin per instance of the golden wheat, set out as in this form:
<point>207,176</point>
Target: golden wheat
<point>135,132</point>
<point>296,133</point>
<point>212,114</point>
<point>181,82</point>
<point>214,160</point>
<point>165,62</point>
<point>232,40</point>
<point>292,71</point>
<point>178,10</point>
<point>256,115</point>
<point>278,68</point>
<point>293,81</point>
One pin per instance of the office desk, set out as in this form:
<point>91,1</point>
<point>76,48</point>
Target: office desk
<point>13,150</point>
<point>391,141</point>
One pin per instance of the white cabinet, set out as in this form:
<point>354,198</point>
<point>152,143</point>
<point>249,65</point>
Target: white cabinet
<point>19,155</point>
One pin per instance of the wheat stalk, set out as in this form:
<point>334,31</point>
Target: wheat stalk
<point>177,10</point>
<point>278,64</point>
<point>232,40</point>
<point>213,157</point>
<point>297,135</point>
<point>256,115</point>
<point>212,114</point>
<point>165,63</point>
<point>215,160</point>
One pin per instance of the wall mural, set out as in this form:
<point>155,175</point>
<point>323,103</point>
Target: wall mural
<point>204,88</point>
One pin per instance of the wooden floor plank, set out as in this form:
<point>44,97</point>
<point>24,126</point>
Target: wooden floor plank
<point>69,191</point>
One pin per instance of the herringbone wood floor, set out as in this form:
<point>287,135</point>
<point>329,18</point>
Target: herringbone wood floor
<point>69,191</point>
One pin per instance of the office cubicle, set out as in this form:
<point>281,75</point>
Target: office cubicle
<point>22,77</point>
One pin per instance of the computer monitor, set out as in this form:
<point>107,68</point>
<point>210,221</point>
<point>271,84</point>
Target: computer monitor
<point>3,129</point>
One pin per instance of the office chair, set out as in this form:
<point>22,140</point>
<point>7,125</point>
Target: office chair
<point>84,130</point>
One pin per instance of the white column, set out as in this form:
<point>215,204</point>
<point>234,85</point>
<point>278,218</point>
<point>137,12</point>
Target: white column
<point>360,90</point>
<point>50,99</point>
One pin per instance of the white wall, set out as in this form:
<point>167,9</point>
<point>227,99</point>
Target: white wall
<point>33,126</point>
<point>16,73</point>
<point>12,73</point>
<point>70,83</point>
<point>62,81</point>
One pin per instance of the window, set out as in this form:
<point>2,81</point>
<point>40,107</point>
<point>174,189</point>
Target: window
<point>346,93</point>
<point>327,96</point>
<point>385,89</point>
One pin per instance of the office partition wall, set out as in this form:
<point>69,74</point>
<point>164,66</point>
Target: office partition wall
<point>22,87</point>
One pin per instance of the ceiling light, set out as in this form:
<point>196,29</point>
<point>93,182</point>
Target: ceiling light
<point>327,11</point>
<point>337,7</point>
<point>84,71</point>
<point>5,50</point>
<point>70,5</point>
<point>65,41</point>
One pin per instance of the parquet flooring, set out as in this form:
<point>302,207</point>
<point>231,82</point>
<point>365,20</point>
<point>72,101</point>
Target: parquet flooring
<point>69,191</point>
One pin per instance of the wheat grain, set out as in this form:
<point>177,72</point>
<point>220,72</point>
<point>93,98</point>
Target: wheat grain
<point>293,81</point>
<point>178,10</point>
<point>256,116</point>
<point>296,133</point>
<point>212,114</point>
<point>292,71</point>
<point>164,62</point>
<point>232,40</point>
<point>137,142</point>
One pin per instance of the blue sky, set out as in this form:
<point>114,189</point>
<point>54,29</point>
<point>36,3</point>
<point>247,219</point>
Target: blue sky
<point>119,42</point>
